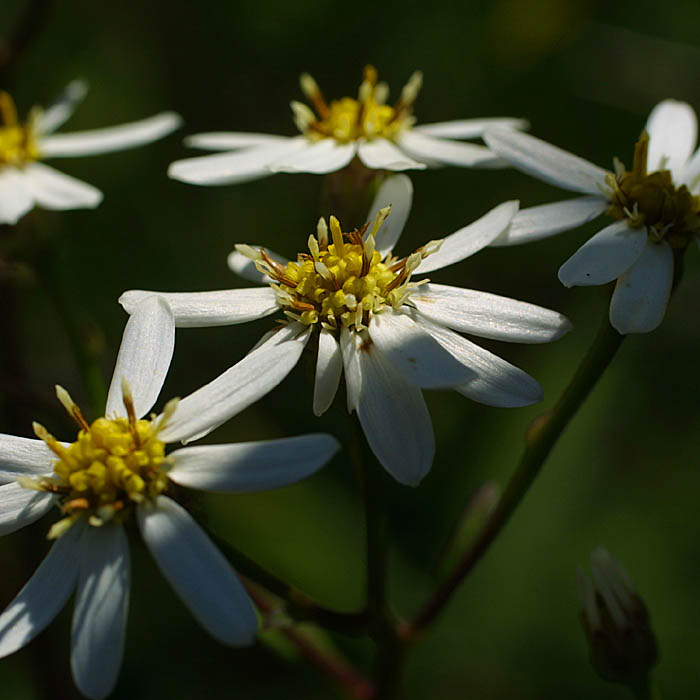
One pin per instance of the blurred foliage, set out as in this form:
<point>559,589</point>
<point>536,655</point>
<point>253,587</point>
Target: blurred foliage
<point>625,473</point>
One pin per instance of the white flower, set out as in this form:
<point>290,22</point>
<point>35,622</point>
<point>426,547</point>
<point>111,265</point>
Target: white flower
<point>655,208</point>
<point>382,136</point>
<point>392,336</point>
<point>24,181</point>
<point>117,465</point>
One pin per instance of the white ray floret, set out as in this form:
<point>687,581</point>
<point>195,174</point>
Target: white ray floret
<point>655,208</point>
<point>26,182</point>
<point>90,555</point>
<point>387,333</point>
<point>381,136</point>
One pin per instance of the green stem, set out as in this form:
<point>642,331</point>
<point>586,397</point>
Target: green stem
<point>383,623</point>
<point>647,689</point>
<point>539,440</point>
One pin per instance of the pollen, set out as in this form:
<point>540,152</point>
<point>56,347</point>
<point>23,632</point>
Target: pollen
<point>18,142</point>
<point>342,280</point>
<point>113,464</point>
<point>349,119</point>
<point>669,213</point>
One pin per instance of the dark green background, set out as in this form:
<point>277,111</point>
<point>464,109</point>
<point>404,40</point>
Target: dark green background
<point>625,475</point>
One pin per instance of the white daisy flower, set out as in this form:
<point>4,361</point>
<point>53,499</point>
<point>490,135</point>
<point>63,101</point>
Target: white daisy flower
<point>25,182</point>
<point>655,209</point>
<point>117,466</point>
<point>383,137</point>
<point>392,336</point>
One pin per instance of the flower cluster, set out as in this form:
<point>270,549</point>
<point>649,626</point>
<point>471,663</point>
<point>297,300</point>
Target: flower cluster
<point>368,314</point>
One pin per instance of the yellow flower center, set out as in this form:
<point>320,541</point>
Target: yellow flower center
<point>18,142</point>
<point>350,119</point>
<point>113,464</point>
<point>343,280</point>
<point>651,199</point>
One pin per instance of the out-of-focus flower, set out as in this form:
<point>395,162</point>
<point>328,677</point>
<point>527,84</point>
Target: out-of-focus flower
<point>655,209</point>
<point>117,466</point>
<point>392,336</point>
<point>25,181</point>
<point>621,642</point>
<point>383,137</point>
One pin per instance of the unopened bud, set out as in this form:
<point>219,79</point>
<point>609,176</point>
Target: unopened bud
<point>622,646</point>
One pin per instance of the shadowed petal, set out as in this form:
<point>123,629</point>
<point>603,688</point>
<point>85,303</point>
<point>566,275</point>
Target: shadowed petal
<point>415,353</point>
<point>396,191</point>
<point>489,315</point>
<point>43,596</point>
<point>469,128</point>
<point>114,138</point>
<point>52,189</point>
<point>605,256</point>
<point>204,309</point>
<point>101,607</point>
<point>144,357</point>
<point>546,162</point>
<point>394,418</point>
<point>20,506</point>
<point>445,152</point>
<point>62,109</point>
<point>641,295</point>
<point>243,384</point>
<point>470,239</point>
<point>198,572</point>
<point>324,156</point>
<point>251,466</point>
<point>245,267</point>
<point>534,223</point>
<point>381,154</point>
<point>231,140</point>
<point>23,457</point>
<point>15,196</point>
<point>329,367</point>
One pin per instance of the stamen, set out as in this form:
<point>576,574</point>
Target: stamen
<point>311,89</point>
<point>8,111</point>
<point>337,235</point>
<point>322,233</point>
<point>73,410</point>
<point>54,445</point>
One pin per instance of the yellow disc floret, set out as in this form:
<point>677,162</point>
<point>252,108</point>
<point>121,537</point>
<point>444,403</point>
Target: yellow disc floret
<point>349,119</point>
<point>18,142</point>
<point>342,280</point>
<point>651,199</point>
<point>113,464</point>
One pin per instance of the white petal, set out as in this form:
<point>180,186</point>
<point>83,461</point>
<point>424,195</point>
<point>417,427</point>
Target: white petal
<point>691,173</point>
<point>62,109</point>
<point>489,315</point>
<point>232,140</point>
<point>228,168</point>
<point>43,596</point>
<point>381,154</point>
<point>534,223</point>
<point>329,367</point>
<point>470,239</point>
<point>245,268</point>
<point>15,196</point>
<point>243,384</point>
<point>23,457</point>
<point>673,131</point>
<point>446,152</point>
<point>394,418</point>
<point>204,309</point>
<point>396,191</point>
<point>546,162</point>
<point>470,128</point>
<point>641,295</point>
<point>20,506</point>
<point>101,607</point>
<point>415,353</point>
<point>144,357</point>
<point>198,572</point>
<point>324,156</point>
<point>350,347</point>
<point>52,189</point>
<point>251,466</point>
<point>605,256</point>
<point>114,138</point>
<point>496,382</point>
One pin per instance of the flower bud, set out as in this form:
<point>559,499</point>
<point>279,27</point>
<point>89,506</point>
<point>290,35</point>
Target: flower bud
<point>622,646</point>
